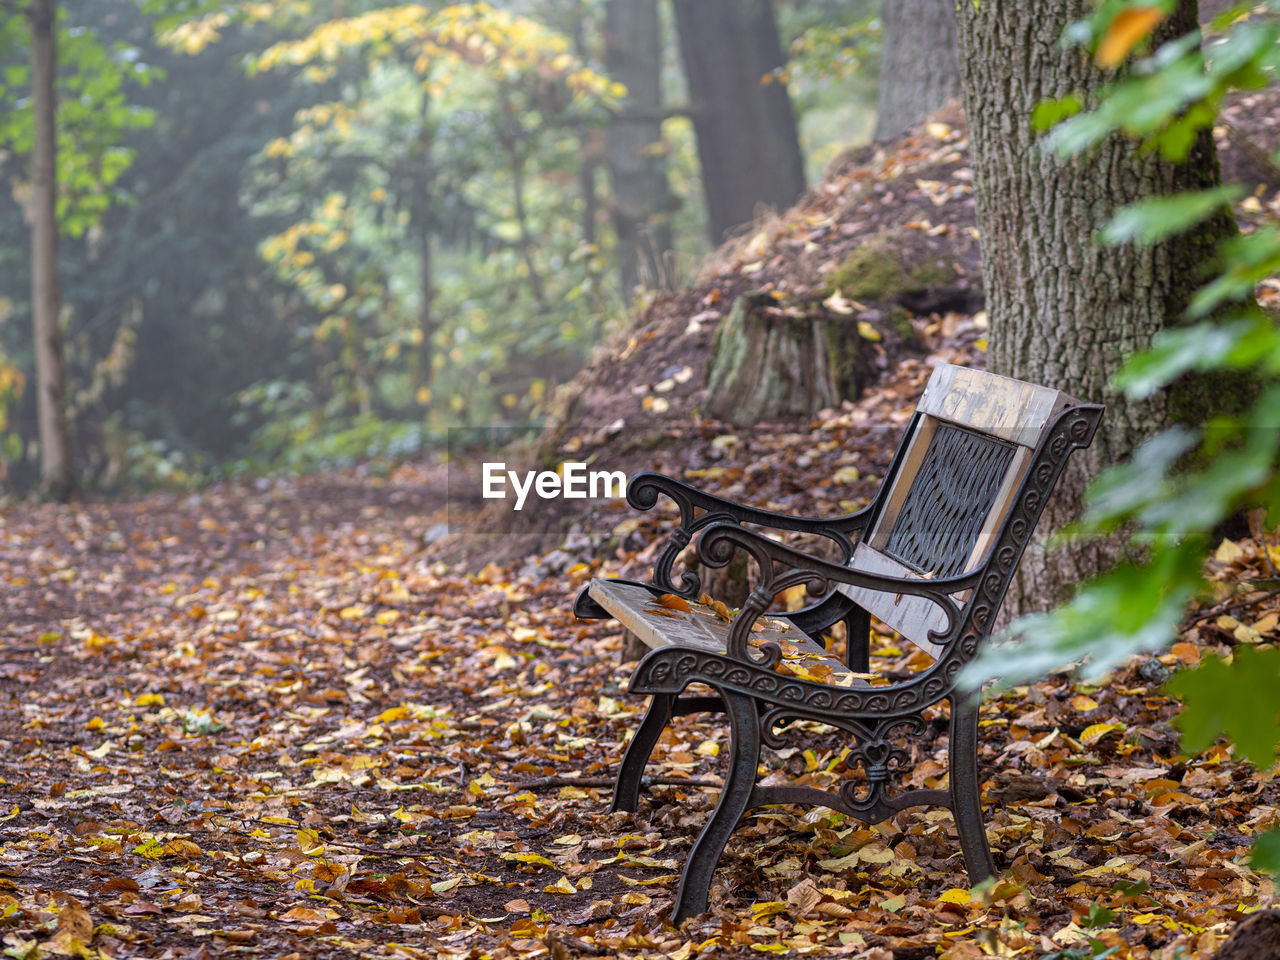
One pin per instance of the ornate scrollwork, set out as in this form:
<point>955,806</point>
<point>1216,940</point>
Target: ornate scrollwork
<point>643,493</point>
<point>663,672</point>
<point>871,748</point>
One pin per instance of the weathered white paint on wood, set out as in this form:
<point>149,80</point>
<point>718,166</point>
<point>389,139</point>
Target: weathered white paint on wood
<point>912,616</point>
<point>700,629</point>
<point>1005,408</point>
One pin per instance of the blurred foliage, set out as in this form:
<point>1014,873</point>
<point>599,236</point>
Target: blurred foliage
<point>299,233</point>
<point>1186,481</point>
<point>833,72</point>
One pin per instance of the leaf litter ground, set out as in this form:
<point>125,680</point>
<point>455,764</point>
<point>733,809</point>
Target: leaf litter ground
<point>264,721</point>
<point>259,722</point>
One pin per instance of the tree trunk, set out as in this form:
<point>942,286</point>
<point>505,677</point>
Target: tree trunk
<point>56,477</point>
<point>1065,311</point>
<point>766,364</point>
<point>421,164</point>
<point>747,143</point>
<point>918,71</point>
<point>642,202</point>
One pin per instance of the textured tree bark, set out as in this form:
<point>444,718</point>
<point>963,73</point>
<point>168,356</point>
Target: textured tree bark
<point>766,365</point>
<point>918,71</point>
<point>1065,311</point>
<point>642,202</point>
<point>747,143</point>
<point>56,477</point>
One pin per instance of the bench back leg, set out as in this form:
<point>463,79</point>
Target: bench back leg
<point>744,763</point>
<point>966,803</point>
<point>626,789</point>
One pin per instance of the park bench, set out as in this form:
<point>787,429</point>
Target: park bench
<point>931,557</point>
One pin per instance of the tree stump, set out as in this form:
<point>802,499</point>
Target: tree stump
<point>1256,937</point>
<point>767,364</point>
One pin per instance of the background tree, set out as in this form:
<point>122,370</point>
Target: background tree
<point>1063,310</point>
<point>748,148</point>
<point>57,478</point>
<point>918,71</point>
<point>66,156</point>
<point>1183,481</point>
<point>642,202</point>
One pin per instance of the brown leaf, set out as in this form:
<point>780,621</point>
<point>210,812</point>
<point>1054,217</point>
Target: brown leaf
<point>672,602</point>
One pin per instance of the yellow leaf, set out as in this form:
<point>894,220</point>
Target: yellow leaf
<point>1083,704</point>
<point>394,713</point>
<point>1228,552</point>
<point>563,885</point>
<point>955,895</point>
<point>528,857</point>
<point>309,841</point>
<point>867,332</point>
<point>1092,734</point>
<point>1127,30</point>
<point>150,699</point>
<point>767,908</point>
<point>150,849</point>
<point>95,724</point>
<point>708,748</point>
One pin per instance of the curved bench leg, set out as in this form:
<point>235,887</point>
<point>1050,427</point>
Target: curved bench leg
<point>966,804</point>
<point>626,789</point>
<point>744,761</point>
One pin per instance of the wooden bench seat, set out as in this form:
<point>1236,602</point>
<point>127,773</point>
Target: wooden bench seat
<point>931,556</point>
<point>699,627</point>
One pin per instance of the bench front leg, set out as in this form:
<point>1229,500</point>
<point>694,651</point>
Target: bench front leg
<point>626,788</point>
<point>966,801</point>
<point>735,798</point>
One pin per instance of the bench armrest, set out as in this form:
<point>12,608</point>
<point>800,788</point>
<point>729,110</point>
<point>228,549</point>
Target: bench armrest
<point>782,567</point>
<point>645,488</point>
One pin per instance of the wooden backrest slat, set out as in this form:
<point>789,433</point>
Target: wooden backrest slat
<point>972,443</point>
<point>1005,408</point>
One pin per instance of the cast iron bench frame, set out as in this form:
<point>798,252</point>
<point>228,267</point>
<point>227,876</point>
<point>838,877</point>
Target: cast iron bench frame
<point>932,556</point>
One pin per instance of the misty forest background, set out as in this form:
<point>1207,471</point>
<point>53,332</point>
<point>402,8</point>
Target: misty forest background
<point>296,235</point>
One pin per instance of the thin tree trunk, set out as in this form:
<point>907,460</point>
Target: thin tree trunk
<point>426,228</point>
<point>1065,311</point>
<point>918,71</point>
<point>513,142</point>
<point>642,202</point>
<point>56,477</point>
<point>588,138</point>
<point>747,143</point>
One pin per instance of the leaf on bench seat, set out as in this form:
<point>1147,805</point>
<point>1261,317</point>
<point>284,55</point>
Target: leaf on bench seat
<point>721,609</point>
<point>672,602</point>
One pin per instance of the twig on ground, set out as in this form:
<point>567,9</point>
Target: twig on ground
<point>1224,608</point>
<point>547,783</point>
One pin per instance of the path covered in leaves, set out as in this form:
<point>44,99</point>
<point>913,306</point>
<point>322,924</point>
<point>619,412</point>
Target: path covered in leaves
<point>263,721</point>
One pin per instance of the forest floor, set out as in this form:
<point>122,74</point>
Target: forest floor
<point>265,720</point>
